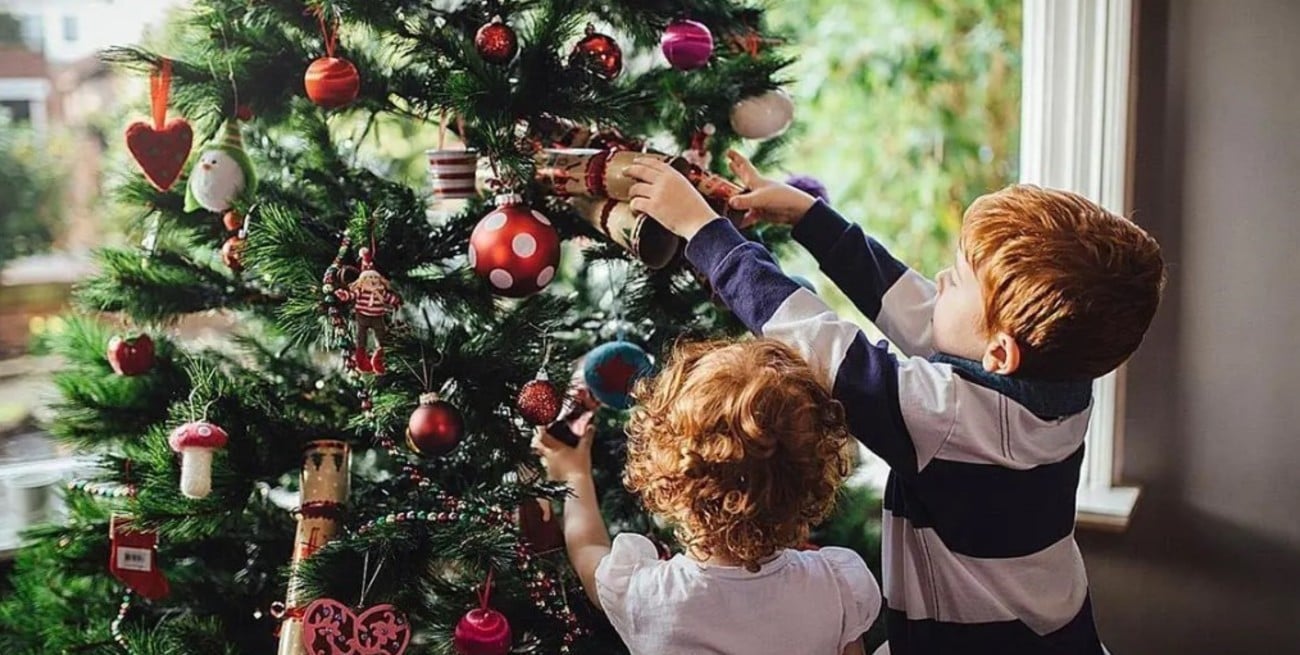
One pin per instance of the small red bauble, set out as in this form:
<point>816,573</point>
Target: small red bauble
<point>539,401</point>
<point>435,427</point>
<point>496,42</point>
<point>687,44</point>
<point>515,249</point>
<point>232,253</point>
<point>332,82</point>
<point>482,632</point>
<point>131,356</point>
<point>599,54</point>
<point>232,220</point>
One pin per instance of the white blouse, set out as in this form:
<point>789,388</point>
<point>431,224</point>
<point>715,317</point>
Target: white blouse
<point>812,602</point>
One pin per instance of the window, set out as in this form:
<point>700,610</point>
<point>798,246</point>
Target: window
<point>19,111</point>
<point>1075,135</point>
<point>70,31</point>
<point>33,31</point>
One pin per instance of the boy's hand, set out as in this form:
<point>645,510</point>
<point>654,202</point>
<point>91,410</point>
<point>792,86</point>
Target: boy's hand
<point>766,200</point>
<point>564,463</point>
<point>669,197</point>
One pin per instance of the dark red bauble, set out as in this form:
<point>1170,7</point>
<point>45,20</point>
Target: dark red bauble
<point>332,82</point>
<point>599,54</point>
<point>515,249</point>
<point>232,253</point>
<point>539,401</point>
<point>232,220</point>
<point>496,42</point>
<point>435,427</point>
<point>482,632</point>
<point>131,356</point>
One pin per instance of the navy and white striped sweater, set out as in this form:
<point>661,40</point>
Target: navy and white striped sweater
<point>979,551</point>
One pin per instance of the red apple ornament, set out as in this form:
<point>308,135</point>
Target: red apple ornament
<point>131,356</point>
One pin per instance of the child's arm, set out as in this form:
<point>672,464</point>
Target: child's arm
<point>866,378</point>
<point>896,298</point>
<point>585,538</point>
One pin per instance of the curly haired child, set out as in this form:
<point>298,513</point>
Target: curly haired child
<point>741,448</point>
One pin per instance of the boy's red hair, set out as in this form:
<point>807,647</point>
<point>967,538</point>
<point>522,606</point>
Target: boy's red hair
<point>1074,284</point>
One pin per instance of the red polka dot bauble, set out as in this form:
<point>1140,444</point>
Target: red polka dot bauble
<point>332,82</point>
<point>435,427</point>
<point>687,44</point>
<point>496,42</point>
<point>515,249</point>
<point>482,632</point>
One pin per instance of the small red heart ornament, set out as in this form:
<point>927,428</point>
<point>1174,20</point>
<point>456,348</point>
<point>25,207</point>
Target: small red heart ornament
<point>160,152</point>
<point>331,628</point>
<point>130,356</point>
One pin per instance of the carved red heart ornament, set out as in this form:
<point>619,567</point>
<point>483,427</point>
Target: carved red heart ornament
<point>331,628</point>
<point>160,152</point>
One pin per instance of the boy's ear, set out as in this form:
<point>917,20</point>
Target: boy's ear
<point>1002,354</point>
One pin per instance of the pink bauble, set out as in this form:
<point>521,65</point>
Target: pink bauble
<point>687,44</point>
<point>515,249</point>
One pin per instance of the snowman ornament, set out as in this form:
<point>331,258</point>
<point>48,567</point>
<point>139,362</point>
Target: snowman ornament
<point>222,174</point>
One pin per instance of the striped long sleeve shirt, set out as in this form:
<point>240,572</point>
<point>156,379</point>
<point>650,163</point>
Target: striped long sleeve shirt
<point>978,553</point>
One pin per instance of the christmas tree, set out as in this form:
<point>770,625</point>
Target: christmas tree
<point>355,464</point>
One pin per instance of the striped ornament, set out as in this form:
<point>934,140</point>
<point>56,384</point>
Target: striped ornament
<point>452,173</point>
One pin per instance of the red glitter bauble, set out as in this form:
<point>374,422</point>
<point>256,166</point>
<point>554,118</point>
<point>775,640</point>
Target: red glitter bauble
<point>435,427</point>
<point>599,54</point>
<point>496,42</point>
<point>332,82</point>
<point>539,402</point>
<point>482,632</point>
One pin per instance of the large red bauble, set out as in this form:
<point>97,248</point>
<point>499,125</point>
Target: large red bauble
<point>131,356</point>
<point>496,42</point>
<point>435,427</point>
<point>599,54</point>
<point>539,402</point>
<point>515,249</point>
<point>161,153</point>
<point>332,82</point>
<point>482,632</point>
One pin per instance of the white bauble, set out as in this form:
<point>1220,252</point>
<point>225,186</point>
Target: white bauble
<point>763,116</point>
<point>217,179</point>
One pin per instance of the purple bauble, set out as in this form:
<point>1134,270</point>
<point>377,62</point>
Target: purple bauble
<point>811,186</point>
<point>687,44</point>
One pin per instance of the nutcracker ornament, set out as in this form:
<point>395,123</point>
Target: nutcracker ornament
<point>372,300</point>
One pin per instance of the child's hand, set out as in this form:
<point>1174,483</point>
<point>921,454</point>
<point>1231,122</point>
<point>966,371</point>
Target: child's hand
<point>669,197</point>
<point>766,200</point>
<point>564,463</point>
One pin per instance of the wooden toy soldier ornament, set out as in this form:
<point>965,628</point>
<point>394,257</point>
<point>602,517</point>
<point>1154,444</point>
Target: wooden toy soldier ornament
<point>372,301</point>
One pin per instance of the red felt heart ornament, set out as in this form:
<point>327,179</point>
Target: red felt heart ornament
<point>161,153</point>
<point>331,628</point>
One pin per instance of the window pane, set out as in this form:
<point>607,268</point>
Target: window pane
<point>70,33</point>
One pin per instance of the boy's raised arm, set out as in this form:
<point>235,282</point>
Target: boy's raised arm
<point>896,298</point>
<point>864,377</point>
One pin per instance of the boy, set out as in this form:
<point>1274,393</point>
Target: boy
<point>983,423</point>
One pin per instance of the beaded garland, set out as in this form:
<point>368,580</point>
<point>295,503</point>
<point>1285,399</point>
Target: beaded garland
<point>545,593</point>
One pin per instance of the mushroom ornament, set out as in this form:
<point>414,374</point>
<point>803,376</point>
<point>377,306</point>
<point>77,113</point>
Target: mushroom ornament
<point>195,442</point>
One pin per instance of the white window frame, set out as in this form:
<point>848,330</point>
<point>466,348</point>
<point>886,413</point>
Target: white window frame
<point>1076,100</point>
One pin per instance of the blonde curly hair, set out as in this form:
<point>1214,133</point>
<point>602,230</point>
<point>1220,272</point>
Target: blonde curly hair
<point>739,445</point>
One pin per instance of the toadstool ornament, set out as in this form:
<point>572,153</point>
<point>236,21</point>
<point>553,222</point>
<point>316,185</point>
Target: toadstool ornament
<point>195,442</point>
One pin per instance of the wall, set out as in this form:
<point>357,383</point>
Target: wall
<point>1211,561</point>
